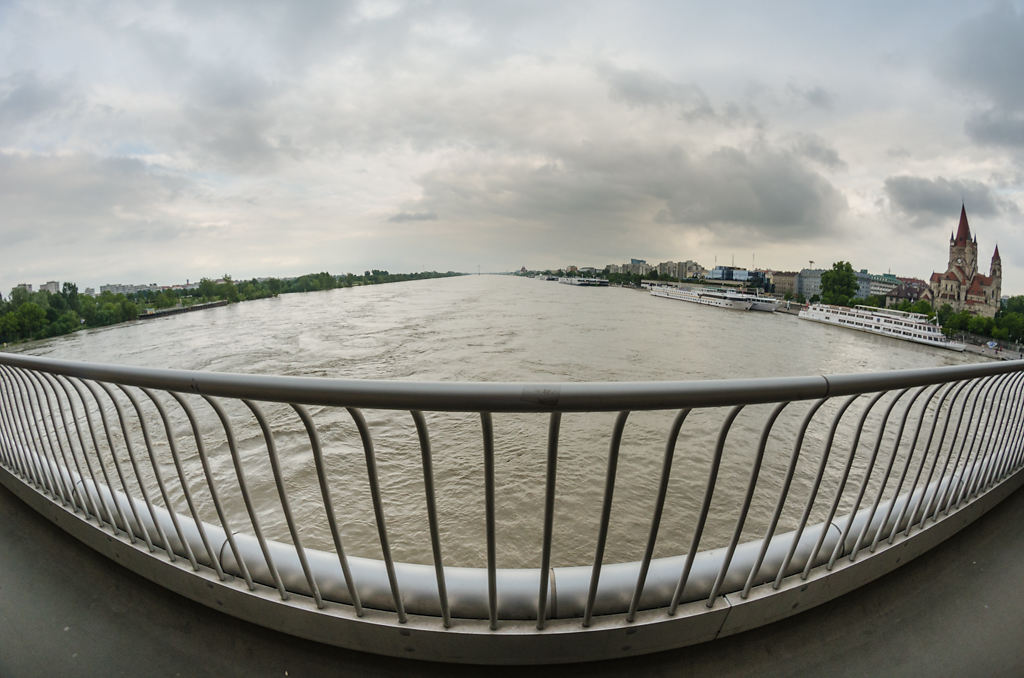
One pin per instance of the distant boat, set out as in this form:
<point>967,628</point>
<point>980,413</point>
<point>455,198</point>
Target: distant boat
<point>584,282</point>
<point>885,321</point>
<point>707,296</point>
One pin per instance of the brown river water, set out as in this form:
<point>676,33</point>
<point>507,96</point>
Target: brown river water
<point>505,329</point>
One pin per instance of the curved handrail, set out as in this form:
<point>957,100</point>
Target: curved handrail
<point>946,443</point>
<point>508,396</point>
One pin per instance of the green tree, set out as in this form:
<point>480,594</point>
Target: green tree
<point>31,319</point>
<point>207,288</point>
<point>69,291</point>
<point>839,285</point>
<point>923,307</point>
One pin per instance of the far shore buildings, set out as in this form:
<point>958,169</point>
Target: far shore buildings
<point>962,286</point>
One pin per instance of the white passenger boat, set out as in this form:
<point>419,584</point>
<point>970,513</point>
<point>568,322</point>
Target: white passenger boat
<point>758,302</point>
<point>885,321</point>
<point>707,296</point>
<point>584,282</point>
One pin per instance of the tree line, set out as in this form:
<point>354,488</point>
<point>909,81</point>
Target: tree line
<point>28,315</point>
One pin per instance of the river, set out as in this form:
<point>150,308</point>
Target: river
<point>501,329</point>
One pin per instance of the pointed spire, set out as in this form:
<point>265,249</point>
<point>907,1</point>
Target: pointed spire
<point>995,255</point>
<point>963,231</point>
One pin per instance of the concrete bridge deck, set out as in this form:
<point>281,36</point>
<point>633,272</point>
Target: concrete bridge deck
<point>65,610</point>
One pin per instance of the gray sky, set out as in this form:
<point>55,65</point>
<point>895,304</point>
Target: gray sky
<point>160,141</point>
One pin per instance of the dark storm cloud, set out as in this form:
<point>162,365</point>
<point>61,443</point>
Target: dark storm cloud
<point>815,96</point>
<point>595,191</point>
<point>762,191</point>
<point>413,216</point>
<point>996,127</point>
<point>925,199</point>
<point>644,88</point>
<point>25,97</point>
<point>813,147</point>
<point>112,197</point>
<point>985,56</point>
<point>649,89</point>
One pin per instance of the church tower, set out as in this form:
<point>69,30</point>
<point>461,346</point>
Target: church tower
<point>996,273</point>
<point>962,286</point>
<point>963,250</point>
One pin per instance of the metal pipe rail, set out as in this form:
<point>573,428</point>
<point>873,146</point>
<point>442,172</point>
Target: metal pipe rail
<point>164,471</point>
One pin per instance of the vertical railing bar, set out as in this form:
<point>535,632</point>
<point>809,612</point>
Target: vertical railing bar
<point>62,469</point>
<point>120,473</point>
<point>978,452</point>
<point>35,411</point>
<point>275,467</point>
<point>755,471</point>
<point>138,475</point>
<point>954,488</point>
<point>64,381</point>
<point>903,473</point>
<point>938,453</point>
<point>7,449</point>
<point>1008,422</point>
<point>870,470</point>
<point>659,507</point>
<point>182,479</point>
<point>1014,440</point>
<point>992,425</point>
<point>88,503</point>
<point>51,468</point>
<point>549,516</point>
<point>325,493</point>
<point>487,429</point>
<point>924,460</point>
<point>936,502</point>
<point>1009,417</point>
<point>992,435</point>
<point>870,467</point>
<point>45,382</point>
<point>606,514</point>
<point>813,494</point>
<point>1015,462</point>
<point>33,464</point>
<point>217,505</point>
<point>19,446</point>
<point>171,512</point>
<point>709,490</point>
<point>1011,442</point>
<point>7,452</point>
<point>243,488</point>
<point>378,509</point>
<point>431,498</point>
<point>76,383</point>
<point>783,494</point>
<point>839,492</point>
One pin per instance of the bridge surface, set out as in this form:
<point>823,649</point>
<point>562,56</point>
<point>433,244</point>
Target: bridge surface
<point>956,611</point>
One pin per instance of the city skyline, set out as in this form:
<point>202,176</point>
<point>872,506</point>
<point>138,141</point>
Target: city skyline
<point>148,143</point>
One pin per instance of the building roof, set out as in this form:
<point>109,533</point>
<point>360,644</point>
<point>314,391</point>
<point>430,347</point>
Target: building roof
<point>963,230</point>
<point>995,255</point>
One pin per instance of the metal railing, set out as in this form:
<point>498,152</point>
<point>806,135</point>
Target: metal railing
<point>810,487</point>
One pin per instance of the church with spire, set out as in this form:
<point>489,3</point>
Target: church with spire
<point>962,286</point>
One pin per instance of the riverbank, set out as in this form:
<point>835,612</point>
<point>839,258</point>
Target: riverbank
<point>150,313</point>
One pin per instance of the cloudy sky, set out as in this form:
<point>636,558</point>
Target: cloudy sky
<point>160,141</point>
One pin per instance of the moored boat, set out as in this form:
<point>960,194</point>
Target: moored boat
<point>707,296</point>
<point>884,321</point>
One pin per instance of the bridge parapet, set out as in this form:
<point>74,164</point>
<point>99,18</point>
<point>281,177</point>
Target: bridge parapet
<point>210,484</point>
